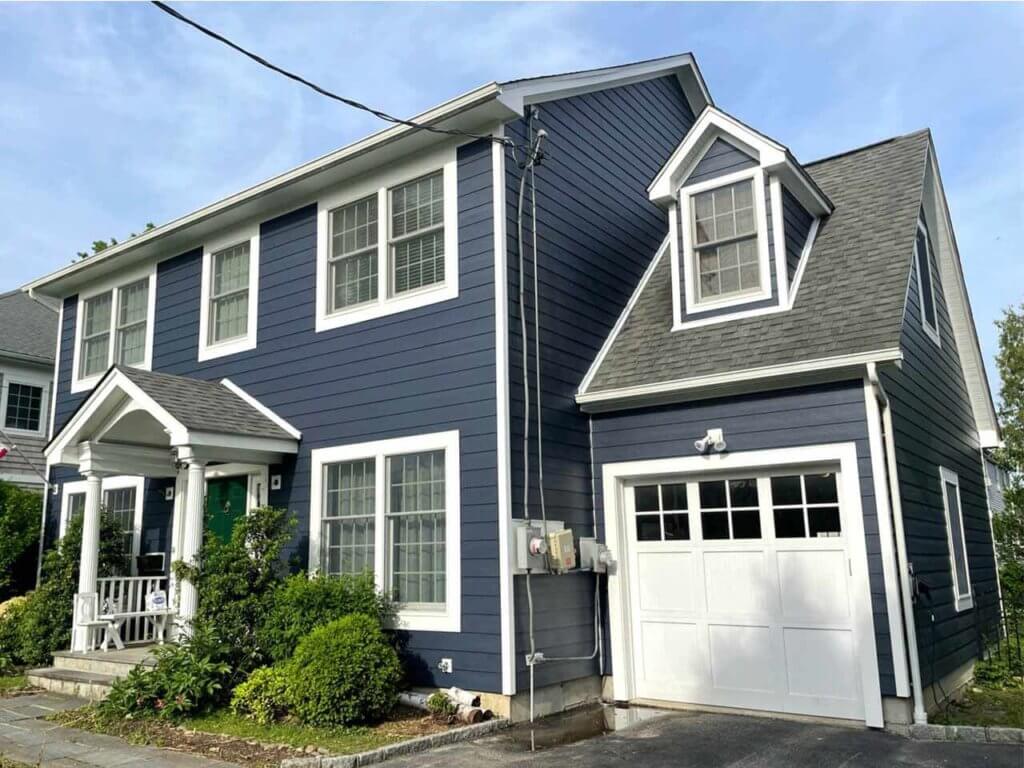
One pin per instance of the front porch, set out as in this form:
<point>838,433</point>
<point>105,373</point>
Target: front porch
<point>190,435</point>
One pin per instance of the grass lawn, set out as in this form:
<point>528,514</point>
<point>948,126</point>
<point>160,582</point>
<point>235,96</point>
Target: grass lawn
<point>11,684</point>
<point>986,706</point>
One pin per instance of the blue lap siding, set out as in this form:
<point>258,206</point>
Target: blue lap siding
<point>425,370</point>
<point>597,232</point>
<point>833,413</point>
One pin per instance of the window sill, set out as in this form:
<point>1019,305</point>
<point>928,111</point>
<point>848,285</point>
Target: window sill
<point>225,348</point>
<point>383,307</point>
<point>15,432</point>
<point>427,620</point>
<point>963,603</point>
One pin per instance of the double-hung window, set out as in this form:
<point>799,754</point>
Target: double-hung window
<point>115,326</point>
<point>388,243</point>
<point>956,539</point>
<point>24,407</point>
<point>725,242</point>
<point>926,283</point>
<point>392,508</point>
<point>227,318</point>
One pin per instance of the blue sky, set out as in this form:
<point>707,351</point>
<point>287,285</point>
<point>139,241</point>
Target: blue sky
<point>112,115</point>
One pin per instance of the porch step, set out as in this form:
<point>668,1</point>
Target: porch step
<point>85,685</point>
<point>114,663</point>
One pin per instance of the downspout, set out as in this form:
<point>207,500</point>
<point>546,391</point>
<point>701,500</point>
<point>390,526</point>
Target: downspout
<point>903,564</point>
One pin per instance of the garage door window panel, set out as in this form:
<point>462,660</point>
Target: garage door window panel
<point>806,506</point>
<point>730,509</point>
<point>661,512</point>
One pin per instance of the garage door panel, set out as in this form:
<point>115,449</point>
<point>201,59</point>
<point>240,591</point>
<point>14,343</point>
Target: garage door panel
<point>821,663</point>
<point>667,582</point>
<point>738,658</point>
<point>735,584</point>
<point>672,659</point>
<point>814,585</point>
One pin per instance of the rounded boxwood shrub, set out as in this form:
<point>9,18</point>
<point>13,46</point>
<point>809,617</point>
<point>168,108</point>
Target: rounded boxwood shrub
<point>344,672</point>
<point>263,697</point>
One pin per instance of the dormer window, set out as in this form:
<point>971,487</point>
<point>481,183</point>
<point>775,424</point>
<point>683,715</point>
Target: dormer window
<point>725,238</point>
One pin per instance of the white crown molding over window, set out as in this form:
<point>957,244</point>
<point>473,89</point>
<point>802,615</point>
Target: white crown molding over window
<point>434,618</point>
<point>207,350</point>
<point>379,183</point>
<point>962,596</point>
<point>113,286</point>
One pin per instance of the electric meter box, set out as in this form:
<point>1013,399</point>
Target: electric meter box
<point>561,551</point>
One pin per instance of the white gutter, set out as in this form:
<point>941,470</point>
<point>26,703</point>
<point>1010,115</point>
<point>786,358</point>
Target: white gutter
<point>920,714</point>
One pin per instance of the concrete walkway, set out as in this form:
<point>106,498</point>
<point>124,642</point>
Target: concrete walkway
<point>25,737</point>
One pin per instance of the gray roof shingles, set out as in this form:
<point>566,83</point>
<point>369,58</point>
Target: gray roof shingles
<point>850,299</point>
<point>205,406</point>
<point>28,328</point>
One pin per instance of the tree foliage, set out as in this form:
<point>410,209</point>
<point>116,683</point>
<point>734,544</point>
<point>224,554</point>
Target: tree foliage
<point>102,245</point>
<point>1009,525</point>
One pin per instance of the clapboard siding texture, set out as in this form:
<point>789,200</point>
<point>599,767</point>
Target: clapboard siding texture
<point>934,426</point>
<point>720,159</point>
<point>597,232</point>
<point>796,226</point>
<point>425,370</point>
<point>833,413</point>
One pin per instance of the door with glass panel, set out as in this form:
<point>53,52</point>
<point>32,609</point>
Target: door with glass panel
<point>740,593</point>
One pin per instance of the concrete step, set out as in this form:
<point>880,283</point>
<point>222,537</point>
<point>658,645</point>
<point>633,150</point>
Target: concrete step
<point>115,663</point>
<point>85,685</point>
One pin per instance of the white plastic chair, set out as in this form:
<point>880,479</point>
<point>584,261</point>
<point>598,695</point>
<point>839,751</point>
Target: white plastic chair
<point>88,621</point>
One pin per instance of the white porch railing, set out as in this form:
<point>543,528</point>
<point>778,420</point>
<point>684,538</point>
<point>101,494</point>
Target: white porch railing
<point>127,594</point>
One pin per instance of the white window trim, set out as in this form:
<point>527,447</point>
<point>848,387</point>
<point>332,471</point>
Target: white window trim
<point>687,257</point>
<point>208,351</point>
<point>43,383</point>
<point>961,601</point>
<point>113,483</point>
<point>448,618</point>
<point>380,183</point>
<point>80,384</point>
<point>932,331</point>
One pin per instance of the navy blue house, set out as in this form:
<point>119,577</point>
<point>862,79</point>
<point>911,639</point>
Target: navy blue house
<point>756,383</point>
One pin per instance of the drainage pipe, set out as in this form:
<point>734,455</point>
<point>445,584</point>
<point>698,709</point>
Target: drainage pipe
<point>903,564</point>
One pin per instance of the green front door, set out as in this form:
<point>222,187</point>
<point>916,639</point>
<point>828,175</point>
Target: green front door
<point>225,503</point>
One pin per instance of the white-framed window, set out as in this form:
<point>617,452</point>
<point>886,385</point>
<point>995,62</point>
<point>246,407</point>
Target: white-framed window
<point>23,405</point>
<point>121,496</point>
<point>114,325</point>
<point>926,283</point>
<point>956,539</point>
<point>230,293</point>
<point>388,242</point>
<point>393,506</point>
<point>725,259</point>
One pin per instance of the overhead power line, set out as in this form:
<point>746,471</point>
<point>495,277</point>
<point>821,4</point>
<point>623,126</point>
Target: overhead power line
<point>322,91</point>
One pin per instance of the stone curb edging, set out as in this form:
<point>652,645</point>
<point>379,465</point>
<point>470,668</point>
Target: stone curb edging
<point>421,744</point>
<point>973,733</point>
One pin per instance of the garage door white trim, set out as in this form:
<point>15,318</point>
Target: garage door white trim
<point>841,455</point>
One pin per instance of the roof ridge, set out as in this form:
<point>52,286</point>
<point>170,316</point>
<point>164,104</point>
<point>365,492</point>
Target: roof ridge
<point>872,145</point>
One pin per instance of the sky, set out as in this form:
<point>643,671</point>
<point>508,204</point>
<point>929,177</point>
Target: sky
<point>113,115</point>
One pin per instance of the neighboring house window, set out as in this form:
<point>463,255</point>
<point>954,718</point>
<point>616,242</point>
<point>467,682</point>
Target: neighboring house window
<point>956,539</point>
<point>926,283</point>
<point>227,316</point>
<point>115,326</point>
<point>24,407</point>
<point>725,242</point>
<point>393,507</point>
<point>388,243</point>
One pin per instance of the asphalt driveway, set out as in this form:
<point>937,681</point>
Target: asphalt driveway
<point>698,740</point>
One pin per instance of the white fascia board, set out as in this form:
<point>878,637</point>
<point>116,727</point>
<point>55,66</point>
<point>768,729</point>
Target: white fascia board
<point>262,408</point>
<point>663,391</point>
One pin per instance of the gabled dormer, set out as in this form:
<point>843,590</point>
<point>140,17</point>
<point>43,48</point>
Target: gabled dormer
<point>743,215</point>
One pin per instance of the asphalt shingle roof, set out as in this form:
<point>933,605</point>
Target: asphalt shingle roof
<point>850,299</point>
<point>28,328</point>
<point>205,406</point>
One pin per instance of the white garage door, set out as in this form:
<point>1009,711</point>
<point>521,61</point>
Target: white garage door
<point>741,595</point>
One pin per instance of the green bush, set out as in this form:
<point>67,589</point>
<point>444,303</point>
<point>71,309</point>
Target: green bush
<point>19,538</point>
<point>301,604</point>
<point>441,706</point>
<point>263,697</point>
<point>344,672</point>
<point>187,679</point>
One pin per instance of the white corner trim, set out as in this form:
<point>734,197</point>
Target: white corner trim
<point>962,596</point>
<point>441,619</point>
<point>931,330</point>
<point>237,236</point>
<point>113,285</point>
<point>56,378</point>
<point>887,541</point>
<point>779,241</point>
<point>805,256</point>
<point>262,408</point>
<point>749,374</point>
<point>501,367</point>
<point>623,316</point>
<point>379,183</point>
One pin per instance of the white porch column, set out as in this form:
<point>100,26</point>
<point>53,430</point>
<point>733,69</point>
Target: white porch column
<point>90,555</point>
<point>192,537</point>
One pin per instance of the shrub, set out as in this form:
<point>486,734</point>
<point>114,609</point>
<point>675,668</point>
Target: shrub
<point>344,672</point>
<point>263,697</point>
<point>10,617</point>
<point>19,538</point>
<point>302,604</point>
<point>441,706</point>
